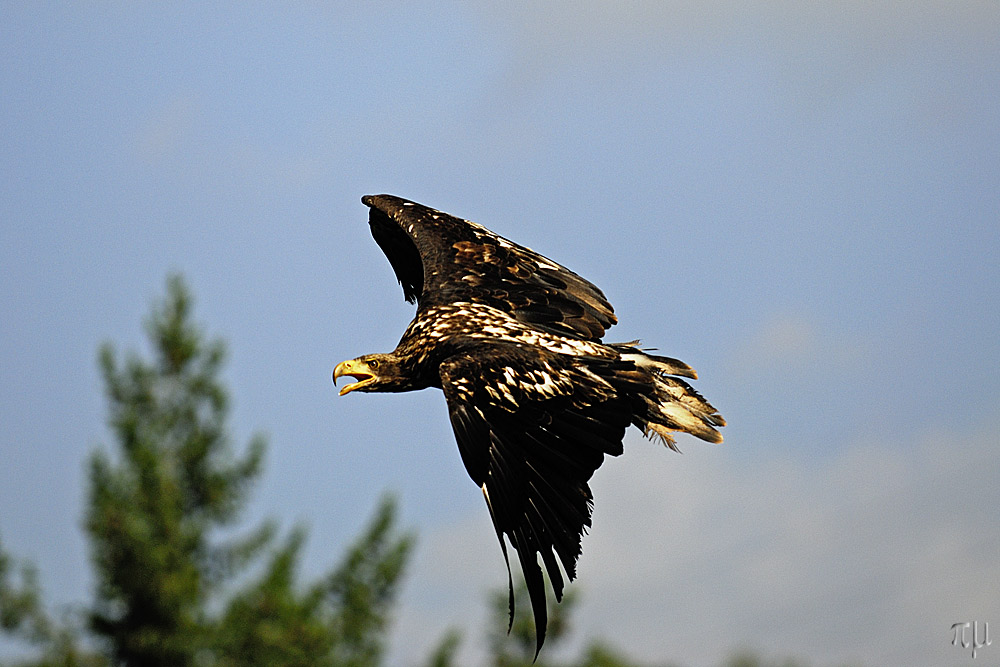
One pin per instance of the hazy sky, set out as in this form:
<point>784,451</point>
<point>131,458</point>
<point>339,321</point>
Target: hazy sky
<point>802,201</point>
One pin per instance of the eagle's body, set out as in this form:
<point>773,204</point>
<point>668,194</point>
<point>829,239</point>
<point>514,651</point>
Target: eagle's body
<point>535,398</point>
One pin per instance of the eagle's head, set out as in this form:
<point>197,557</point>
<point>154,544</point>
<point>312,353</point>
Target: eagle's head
<point>373,372</point>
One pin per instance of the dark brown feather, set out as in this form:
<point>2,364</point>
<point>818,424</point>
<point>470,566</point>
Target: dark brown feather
<point>534,461</point>
<point>439,258</point>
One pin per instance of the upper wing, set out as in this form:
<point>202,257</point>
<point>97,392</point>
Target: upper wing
<point>532,427</point>
<point>439,258</point>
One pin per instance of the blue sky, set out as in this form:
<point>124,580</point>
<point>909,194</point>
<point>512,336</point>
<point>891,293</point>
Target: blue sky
<point>801,200</point>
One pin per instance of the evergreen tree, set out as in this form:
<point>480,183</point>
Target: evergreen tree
<point>176,482</point>
<point>21,612</point>
<point>23,615</point>
<point>341,620</point>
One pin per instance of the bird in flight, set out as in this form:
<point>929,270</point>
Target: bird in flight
<point>535,398</point>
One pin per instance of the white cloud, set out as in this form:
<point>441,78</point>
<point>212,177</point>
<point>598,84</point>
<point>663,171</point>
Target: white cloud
<point>779,342</point>
<point>868,556</point>
<point>789,343</point>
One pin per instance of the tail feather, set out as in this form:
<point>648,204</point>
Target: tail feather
<point>670,404</point>
<point>656,363</point>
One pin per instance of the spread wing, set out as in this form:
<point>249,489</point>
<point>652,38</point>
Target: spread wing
<point>440,259</point>
<point>532,427</point>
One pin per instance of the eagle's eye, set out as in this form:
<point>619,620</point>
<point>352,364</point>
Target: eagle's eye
<point>373,364</point>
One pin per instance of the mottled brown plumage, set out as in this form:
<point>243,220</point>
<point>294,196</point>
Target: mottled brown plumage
<point>536,400</point>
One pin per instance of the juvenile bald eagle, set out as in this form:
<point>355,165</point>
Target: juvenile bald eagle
<point>535,398</point>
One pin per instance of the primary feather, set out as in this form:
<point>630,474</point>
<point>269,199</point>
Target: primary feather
<point>535,398</point>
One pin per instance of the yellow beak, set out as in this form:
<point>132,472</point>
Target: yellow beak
<point>356,369</point>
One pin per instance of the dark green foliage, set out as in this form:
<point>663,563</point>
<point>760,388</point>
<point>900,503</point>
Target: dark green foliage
<point>23,615</point>
<point>748,658</point>
<point>600,654</point>
<point>362,590</point>
<point>341,620</point>
<point>444,654</point>
<point>20,609</point>
<point>270,624</point>
<point>151,513</point>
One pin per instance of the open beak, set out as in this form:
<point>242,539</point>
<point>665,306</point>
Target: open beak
<point>355,369</point>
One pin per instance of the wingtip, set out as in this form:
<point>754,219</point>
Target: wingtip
<point>538,646</point>
<point>510,601</point>
<point>386,202</point>
<point>372,201</point>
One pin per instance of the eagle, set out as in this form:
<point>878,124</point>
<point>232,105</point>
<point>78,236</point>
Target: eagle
<point>536,399</point>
